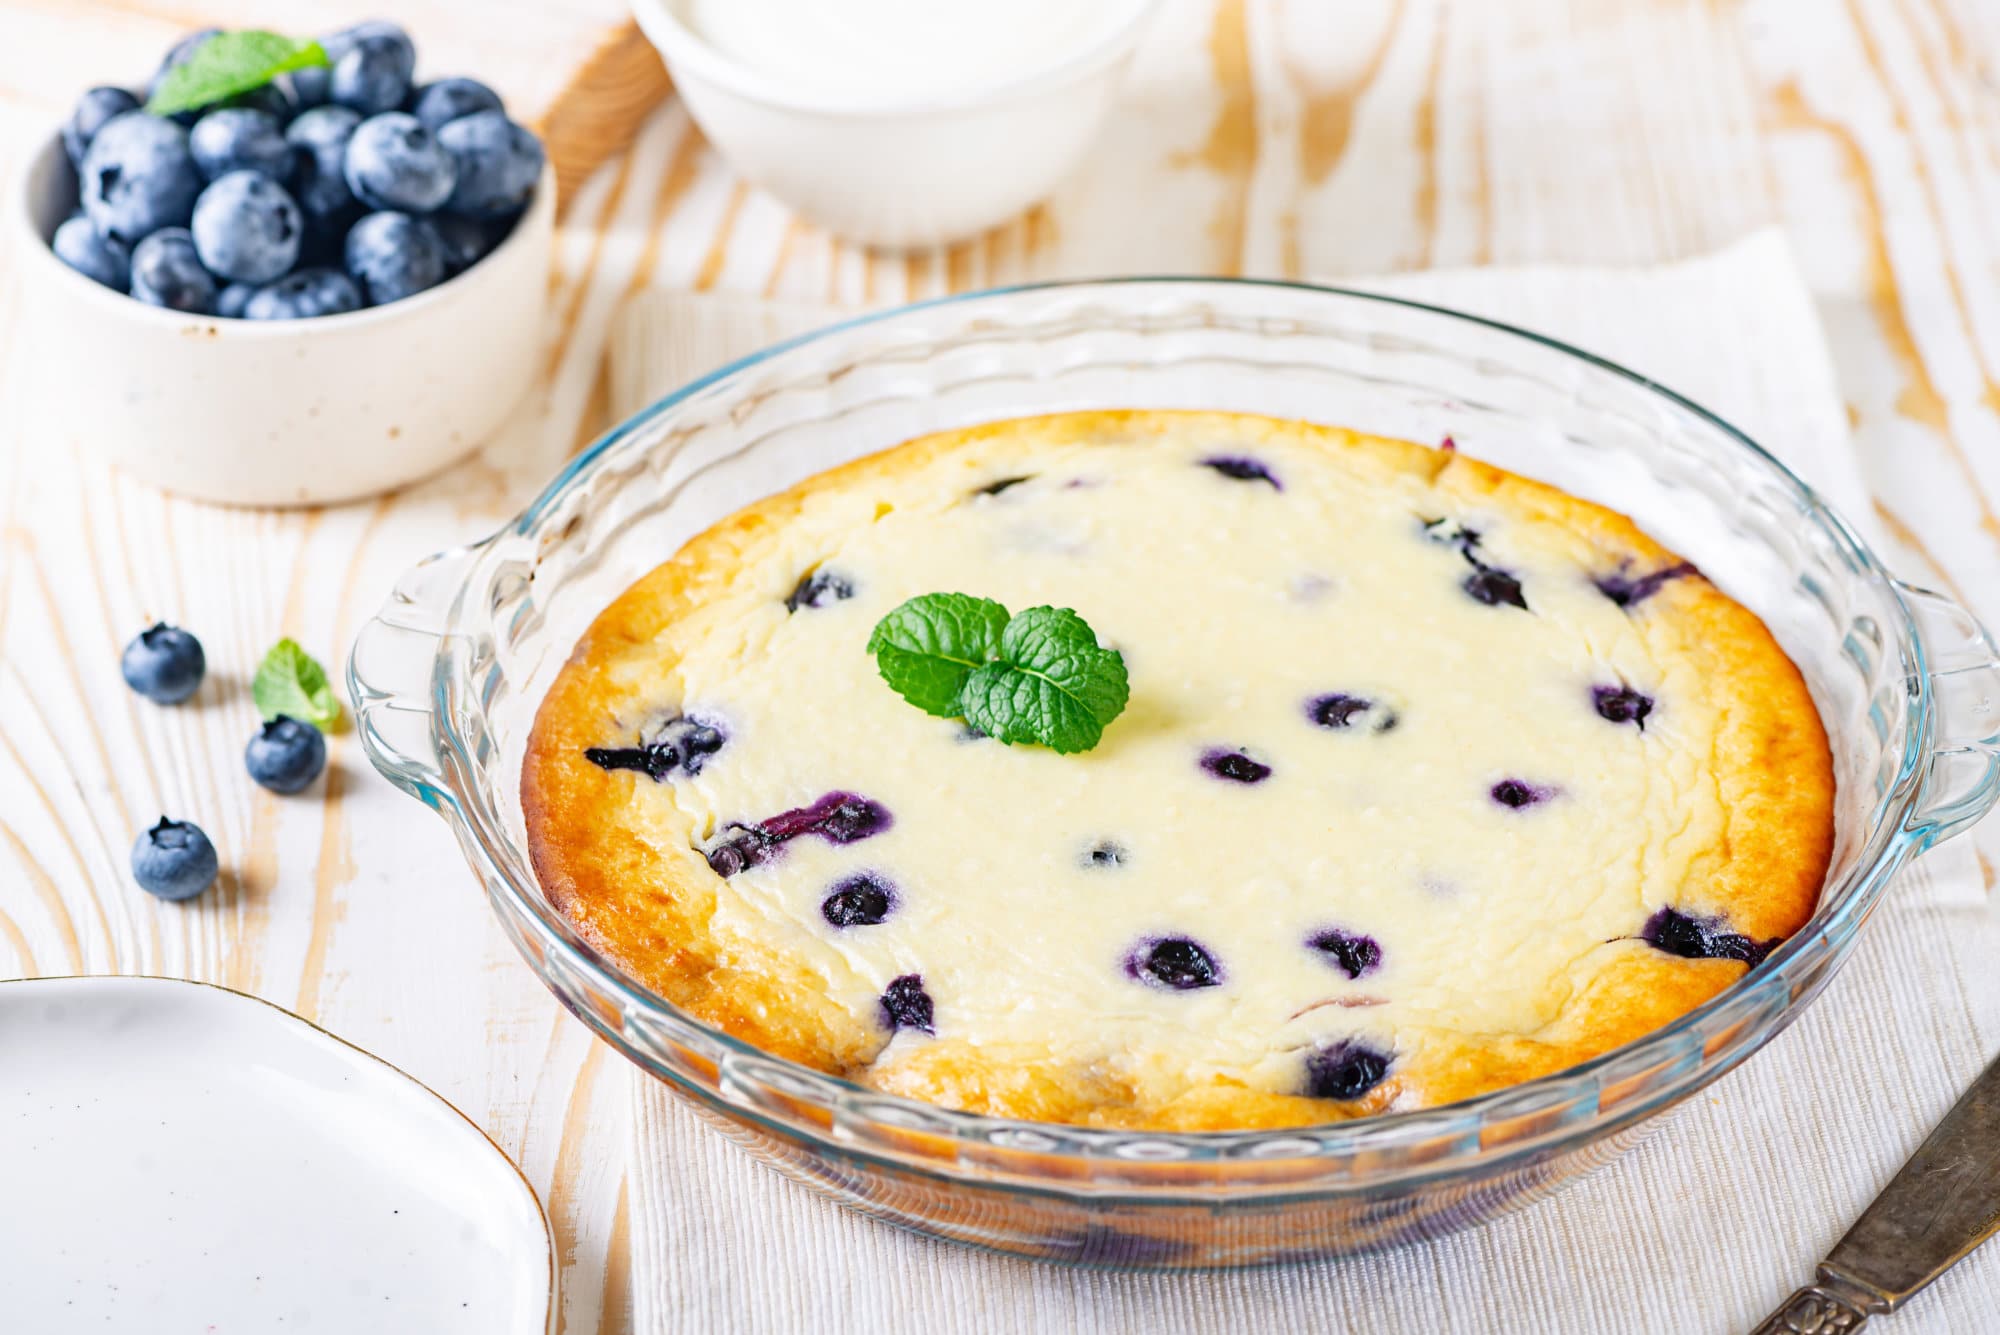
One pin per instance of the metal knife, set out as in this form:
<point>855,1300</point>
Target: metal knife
<point>1944,1202</point>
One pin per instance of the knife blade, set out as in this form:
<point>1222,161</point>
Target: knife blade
<point>1943,1203</point>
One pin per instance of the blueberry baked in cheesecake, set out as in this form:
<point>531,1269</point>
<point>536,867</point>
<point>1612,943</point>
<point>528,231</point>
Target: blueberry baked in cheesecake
<point>1181,771</point>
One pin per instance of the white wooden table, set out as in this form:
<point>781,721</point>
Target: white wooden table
<point>1268,137</point>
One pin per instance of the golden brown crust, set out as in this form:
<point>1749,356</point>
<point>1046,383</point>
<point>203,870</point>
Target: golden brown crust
<point>636,887</point>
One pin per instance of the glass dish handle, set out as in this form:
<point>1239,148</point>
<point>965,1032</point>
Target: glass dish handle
<point>391,674</point>
<point>1962,780</point>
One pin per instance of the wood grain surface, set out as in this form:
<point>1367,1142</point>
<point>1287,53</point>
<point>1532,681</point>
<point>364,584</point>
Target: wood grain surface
<point>1267,137</point>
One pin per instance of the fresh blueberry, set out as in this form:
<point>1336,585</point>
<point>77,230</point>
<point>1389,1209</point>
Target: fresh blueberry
<point>91,253</point>
<point>818,589</point>
<point>1345,1070</point>
<point>1514,794</point>
<point>304,294</point>
<point>1176,962</point>
<point>310,86</point>
<point>497,230</point>
<point>393,162</point>
<point>392,256</point>
<point>285,755</point>
<point>1621,704</point>
<point>166,271</point>
<point>858,901</point>
<point>1339,710</point>
<point>269,98</point>
<point>1235,767</point>
<point>174,860</point>
<point>138,176</point>
<point>164,663</point>
<point>319,175</point>
<point>89,115</point>
<point>1350,952</point>
<point>1494,588</point>
<point>838,818</point>
<point>498,164</point>
<point>233,299</point>
<point>466,241</point>
<point>338,44</point>
<point>240,139</point>
<point>1626,591</point>
<point>682,744</point>
<point>372,74</point>
<point>999,485</point>
<point>447,100</point>
<point>1693,938</point>
<point>905,1004</point>
<point>247,229</point>
<point>1104,855</point>
<point>1243,469</point>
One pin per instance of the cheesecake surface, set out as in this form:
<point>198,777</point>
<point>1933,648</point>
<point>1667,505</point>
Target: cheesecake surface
<point>1432,779</point>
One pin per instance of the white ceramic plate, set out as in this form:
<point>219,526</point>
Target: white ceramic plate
<point>178,1157</point>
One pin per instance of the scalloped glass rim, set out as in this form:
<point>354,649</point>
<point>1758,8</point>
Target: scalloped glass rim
<point>1782,985</point>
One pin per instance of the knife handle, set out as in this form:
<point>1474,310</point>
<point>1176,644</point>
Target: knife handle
<point>1814,1310</point>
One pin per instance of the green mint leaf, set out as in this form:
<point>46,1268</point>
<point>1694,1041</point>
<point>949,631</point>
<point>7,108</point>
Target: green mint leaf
<point>1053,684</point>
<point>230,63</point>
<point>927,647</point>
<point>289,681</point>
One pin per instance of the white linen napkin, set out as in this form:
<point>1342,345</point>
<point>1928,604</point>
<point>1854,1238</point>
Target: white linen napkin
<point>1705,1227</point>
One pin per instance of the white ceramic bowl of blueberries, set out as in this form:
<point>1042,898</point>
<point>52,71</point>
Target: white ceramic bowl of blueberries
<point>317,287</point>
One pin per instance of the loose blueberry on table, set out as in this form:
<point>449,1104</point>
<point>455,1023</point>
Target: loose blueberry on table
<point>289,180</point>
<point>164,663</point>
<point>174,860</point>
<point>285,755</point>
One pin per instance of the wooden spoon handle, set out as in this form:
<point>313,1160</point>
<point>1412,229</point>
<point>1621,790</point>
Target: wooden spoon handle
<point>599,111</point>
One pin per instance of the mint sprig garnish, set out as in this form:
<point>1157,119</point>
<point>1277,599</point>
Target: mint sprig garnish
<point>1038,677</point>
<point>926,648</point>
<point>290,681</point>
<point>228,64</point>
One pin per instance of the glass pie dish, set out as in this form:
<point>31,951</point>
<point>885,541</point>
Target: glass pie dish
<point>447,678</point>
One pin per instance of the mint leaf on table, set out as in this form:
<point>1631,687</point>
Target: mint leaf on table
<point>927,647</point>
<point>1052,684</point>
<point>230,63</point>
<point>290,682</point>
